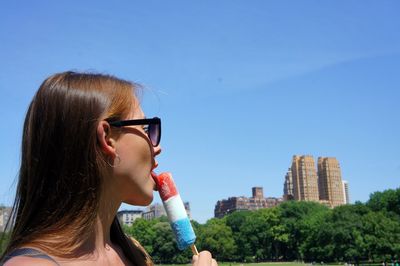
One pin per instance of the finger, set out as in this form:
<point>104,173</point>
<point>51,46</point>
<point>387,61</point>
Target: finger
<point>204,257</point>
<point>195,258</point>
<point>214,263</point>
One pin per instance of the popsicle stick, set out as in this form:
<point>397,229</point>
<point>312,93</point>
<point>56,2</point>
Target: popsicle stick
<point>194,249</point>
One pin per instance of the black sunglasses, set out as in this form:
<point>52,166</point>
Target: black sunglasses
<point>153,130</point>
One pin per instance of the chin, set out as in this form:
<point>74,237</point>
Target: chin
<point>145,200</point>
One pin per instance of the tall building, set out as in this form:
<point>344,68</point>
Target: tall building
<point>330,181</point>
<point>257,201</point>
<point>288,186</point>
<point>305,180</point>
<point>346,192</point>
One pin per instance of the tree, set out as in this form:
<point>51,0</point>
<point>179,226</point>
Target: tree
<point>294,215</point>
<point>348,235</point>
<point>157,238</point>
<point>217,237</point>
<point>295,230</point>
<point>262,235</point>
<point>317,237</point>
<point>4,238</point>
<point>164,246</point>
<point>142,230</point>
<point>235,221</point>
<point>387,201</point>
<point>382,236</point>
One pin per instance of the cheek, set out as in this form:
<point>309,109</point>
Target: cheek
<point>133,174</point>
<point>143,156</point>
<point>135,158</point>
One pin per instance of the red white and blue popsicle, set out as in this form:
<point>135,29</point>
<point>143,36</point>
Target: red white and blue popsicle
<point>176,212</point>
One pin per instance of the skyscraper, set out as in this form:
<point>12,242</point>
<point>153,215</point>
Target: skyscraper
<point>288,186</point>
<point>330,181</point>
<point>305,180</point>
<point>346,192</point>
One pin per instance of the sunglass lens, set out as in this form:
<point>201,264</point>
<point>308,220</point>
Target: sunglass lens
<point>154,133</point>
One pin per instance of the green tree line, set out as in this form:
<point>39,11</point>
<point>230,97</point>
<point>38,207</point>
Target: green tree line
<point>294,230</point>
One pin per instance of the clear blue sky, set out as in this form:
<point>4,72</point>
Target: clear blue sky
<point>241,86</point>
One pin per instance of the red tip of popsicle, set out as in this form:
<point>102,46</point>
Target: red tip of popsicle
<point>166,186</point>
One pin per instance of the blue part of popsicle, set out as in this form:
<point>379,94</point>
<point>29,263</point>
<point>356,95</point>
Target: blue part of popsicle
<point>184,233</point>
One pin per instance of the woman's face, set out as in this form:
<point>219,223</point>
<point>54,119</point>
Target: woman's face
<point>137,160</point>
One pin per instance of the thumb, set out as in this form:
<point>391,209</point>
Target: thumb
<point>195,258</point>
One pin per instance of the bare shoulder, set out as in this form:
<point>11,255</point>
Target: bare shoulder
<point>25,261</point>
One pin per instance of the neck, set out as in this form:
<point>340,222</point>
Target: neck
<point>99,240</point>
<point>109,204</point>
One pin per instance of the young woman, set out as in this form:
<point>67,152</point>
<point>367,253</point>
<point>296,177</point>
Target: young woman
<point>77,168</point>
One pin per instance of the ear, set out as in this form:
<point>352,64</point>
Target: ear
<point>106,142</point>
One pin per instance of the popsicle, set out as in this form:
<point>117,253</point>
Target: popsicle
<point>176,212</point>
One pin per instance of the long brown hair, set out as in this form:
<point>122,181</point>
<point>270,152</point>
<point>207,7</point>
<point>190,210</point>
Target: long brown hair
<point>62,166</point>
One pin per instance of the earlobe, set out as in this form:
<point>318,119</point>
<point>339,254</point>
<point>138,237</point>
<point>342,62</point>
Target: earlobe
<point>106,142</point>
